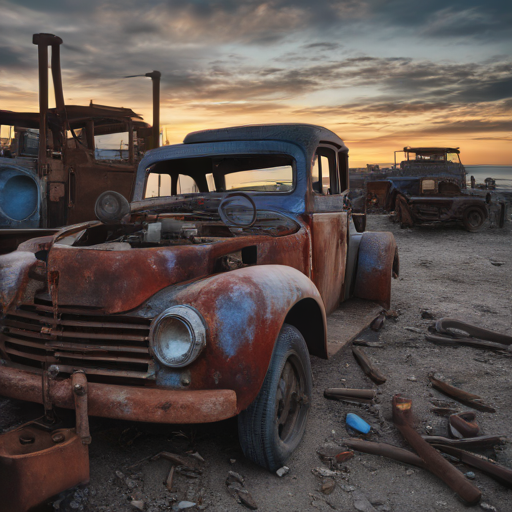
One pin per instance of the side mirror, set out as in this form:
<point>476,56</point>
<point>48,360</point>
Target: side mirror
<point>111,207</point>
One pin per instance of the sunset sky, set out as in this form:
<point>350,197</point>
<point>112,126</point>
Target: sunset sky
<point>381,74</point>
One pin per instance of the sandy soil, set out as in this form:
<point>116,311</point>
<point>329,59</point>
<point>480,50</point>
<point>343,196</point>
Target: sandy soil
<point>448,272</point>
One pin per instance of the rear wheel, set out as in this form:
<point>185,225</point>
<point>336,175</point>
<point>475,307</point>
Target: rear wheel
<point>473,218</point>
<point>273,425</point>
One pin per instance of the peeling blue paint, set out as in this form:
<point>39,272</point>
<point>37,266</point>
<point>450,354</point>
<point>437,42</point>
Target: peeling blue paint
<point>235,312</point>
<point>168,378</point>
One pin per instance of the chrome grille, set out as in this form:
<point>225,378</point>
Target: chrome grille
<point>78,339</point>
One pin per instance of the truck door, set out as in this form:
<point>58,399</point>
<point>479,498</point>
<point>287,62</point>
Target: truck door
<point>328,226</point>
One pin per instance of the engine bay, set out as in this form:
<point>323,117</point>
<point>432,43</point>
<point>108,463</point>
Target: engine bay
<point>145,230</point>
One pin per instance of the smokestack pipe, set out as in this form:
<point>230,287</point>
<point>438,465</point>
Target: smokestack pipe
<point>43,41</point>
<point>155,77</point>
<point>57,76</point>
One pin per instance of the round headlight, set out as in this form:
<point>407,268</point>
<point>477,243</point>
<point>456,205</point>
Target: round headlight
<point>177,336</point>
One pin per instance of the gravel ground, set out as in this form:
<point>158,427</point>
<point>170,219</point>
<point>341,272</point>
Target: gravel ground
<point>447,272</point>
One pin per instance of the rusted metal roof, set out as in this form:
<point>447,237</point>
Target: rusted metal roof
<point>76,115</point>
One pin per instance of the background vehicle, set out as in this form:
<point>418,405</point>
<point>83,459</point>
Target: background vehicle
<point>202,298</point>
<point>51,170</point>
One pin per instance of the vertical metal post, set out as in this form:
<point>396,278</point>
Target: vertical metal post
<point>131,150</point>
<point>155,77</point>
<point>56,74</point>
<point>42,52</point>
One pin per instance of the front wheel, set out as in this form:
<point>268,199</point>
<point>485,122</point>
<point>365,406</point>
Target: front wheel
<point>473,219</point>
<point>273,425</point>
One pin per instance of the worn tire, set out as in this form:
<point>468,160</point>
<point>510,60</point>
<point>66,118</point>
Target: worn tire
<point>263,439</point>
<point>473,218</point>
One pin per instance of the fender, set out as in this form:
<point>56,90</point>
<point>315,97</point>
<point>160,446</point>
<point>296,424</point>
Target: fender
<point>377,262</point>
<point>244,311</point>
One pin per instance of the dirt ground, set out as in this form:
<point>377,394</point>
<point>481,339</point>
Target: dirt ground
<point>449,273</point>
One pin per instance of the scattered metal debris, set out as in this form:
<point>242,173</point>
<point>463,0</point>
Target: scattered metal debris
<point>368,367</point>
<point>474,442</point>
<point>434,462</point>
<point>461,396</point>
<point>443,334</point>
<point>464,425</point>
<point>169,480</point>
<point>328,485</point>
<point>500,473</point>
<point>385,450</point>
<point>344,456</point>
<point>378,323</point>
<point>443,411</point>
<point>366,396</point>
<point>235,484</point>
<point>369,344</point>
<point>323,472</point>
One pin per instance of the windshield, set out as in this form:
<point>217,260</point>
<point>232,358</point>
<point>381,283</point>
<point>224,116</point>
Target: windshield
<point>247,173</point>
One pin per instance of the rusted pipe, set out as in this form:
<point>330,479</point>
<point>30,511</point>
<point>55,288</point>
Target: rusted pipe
<point>155,77</point>
<point>42,53</point>
<point>473,442</point>
<point>56,73</point>
<point>367,366</point>
<point>385,450</point>
<point>365,396</point>
<point>79,384</point>
<point>460,395</point>
<point>500,473</point>
<point>434,462</point>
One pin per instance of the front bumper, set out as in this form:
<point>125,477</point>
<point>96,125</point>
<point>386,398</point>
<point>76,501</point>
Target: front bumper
<point>125,402</point>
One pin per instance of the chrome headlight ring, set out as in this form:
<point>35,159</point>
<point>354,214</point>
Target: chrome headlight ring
<point>177,336</point>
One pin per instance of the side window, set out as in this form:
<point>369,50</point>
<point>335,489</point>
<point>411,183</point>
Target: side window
<point>315,175</point>
<point>158,185</point>
<point>326,175</point>
<point>343,169</point>
<point>323,172</point>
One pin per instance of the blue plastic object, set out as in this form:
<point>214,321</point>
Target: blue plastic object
<point>357,423</point>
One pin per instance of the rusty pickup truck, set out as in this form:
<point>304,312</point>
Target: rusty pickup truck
<point>203,297</point>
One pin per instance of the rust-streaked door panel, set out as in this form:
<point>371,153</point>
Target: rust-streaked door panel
<point>329,239</point>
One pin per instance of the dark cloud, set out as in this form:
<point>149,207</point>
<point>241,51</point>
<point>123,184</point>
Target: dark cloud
<point>12,57</point>
<point>322,46</point>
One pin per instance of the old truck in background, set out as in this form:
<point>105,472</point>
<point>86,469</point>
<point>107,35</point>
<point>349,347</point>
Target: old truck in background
<point>204,297</point>
<point>50,170</point>
<point>428,187</point>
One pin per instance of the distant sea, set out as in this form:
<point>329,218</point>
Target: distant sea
<point>501,173</point>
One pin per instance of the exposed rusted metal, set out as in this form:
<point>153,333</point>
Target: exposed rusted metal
<point>368,367</point>
<point>385,450</point>
<point>103,284</point>
<point>50,176</point>
<point>461,396</point>
<point>366,395</point>
<point>377,263</point>
<point>474,442</point>
<point>126,402</point>
<point>434,462</point>
<point>496,471</point>
<point>155,78</point>
<point>79,383</point>
<point>465,424</point>
<point>50,463</point>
